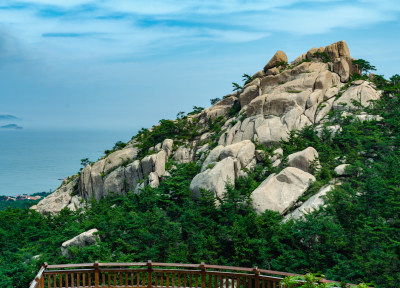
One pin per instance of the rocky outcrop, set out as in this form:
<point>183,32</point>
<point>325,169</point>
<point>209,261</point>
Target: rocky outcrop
<point>280,191</point>
<point>281,98</point>
<point>278,58</point>
<point>223,164</point>
<point>215,179</point>
<point>303,159</point>
<point>84,239</point>
<point>61,198</point>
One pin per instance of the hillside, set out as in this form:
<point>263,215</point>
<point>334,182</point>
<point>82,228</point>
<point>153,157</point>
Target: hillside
<point>233,136</point>
<point>295,171</point>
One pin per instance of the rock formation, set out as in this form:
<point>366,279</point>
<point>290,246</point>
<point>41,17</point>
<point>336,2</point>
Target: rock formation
<point>282,97</point>
<point>84,239</point>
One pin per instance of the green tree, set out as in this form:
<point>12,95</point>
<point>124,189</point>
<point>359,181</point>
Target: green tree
<point>364,65</point>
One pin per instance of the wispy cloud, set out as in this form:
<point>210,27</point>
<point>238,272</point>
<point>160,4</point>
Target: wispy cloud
<point>129,26</point>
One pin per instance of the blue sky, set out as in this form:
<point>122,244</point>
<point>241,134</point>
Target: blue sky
<point>120,64</point>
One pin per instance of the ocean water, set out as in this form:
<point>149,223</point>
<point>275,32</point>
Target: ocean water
<point>34,160</point>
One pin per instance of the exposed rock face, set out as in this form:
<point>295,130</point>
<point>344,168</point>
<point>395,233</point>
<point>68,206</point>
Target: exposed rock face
<point>183,155</point>
<point>96,180</point>
<point>303,159</point>
<point>280,191</point>
<point>84,239</point>
<point>224,164</point>
<point>313,203</point>
<point>249,94</point>
<point>243,151</point>
<point>279,57</point>
<point>60,199</point>
<point>215,179</point>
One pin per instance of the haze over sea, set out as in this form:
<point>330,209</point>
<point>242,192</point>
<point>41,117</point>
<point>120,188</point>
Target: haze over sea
<point>33,160</point>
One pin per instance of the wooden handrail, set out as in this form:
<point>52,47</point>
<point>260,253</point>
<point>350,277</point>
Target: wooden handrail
<point>155,275</point>
<point>36,283</point>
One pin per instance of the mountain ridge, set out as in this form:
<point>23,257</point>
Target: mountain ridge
<point>281,98</point>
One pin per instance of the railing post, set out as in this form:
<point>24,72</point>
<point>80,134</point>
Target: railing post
<point>257,277</point>
<point>149,274</point>
<point>203,275</point>
<point>96,274</point>
<point>42,276</point>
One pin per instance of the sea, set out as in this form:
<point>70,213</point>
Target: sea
<point>37,160</point>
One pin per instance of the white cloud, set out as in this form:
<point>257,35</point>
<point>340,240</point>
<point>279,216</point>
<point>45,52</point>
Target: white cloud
<point>194,22</point>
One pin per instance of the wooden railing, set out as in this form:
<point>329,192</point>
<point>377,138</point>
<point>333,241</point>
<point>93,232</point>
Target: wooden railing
<point>154,275</point>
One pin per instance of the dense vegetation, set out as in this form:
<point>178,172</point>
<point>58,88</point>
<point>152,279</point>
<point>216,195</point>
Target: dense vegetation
<point>355,238</point>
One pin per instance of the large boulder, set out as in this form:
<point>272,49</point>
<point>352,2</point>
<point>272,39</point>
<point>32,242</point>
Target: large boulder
<point>338,49</point>
<point>82,240</point>
<point>313,203</point>
<point>214,179</point>
<point>280,191</point>
<point>279,57</point>
<point>303,159</point>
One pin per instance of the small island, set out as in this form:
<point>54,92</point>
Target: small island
<point>11,126</point>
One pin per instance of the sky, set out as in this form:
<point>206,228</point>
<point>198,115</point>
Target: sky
<point>123,64</point>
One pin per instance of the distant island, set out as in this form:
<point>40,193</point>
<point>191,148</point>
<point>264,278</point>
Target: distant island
<point>8,117</point>
<point>11,126</point>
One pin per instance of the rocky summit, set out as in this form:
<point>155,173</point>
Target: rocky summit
<point>238,132</point>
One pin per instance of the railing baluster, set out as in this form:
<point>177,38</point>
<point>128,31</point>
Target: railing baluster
<point>149,274</point>
<point>167,280</point>
<point>179,279</point>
